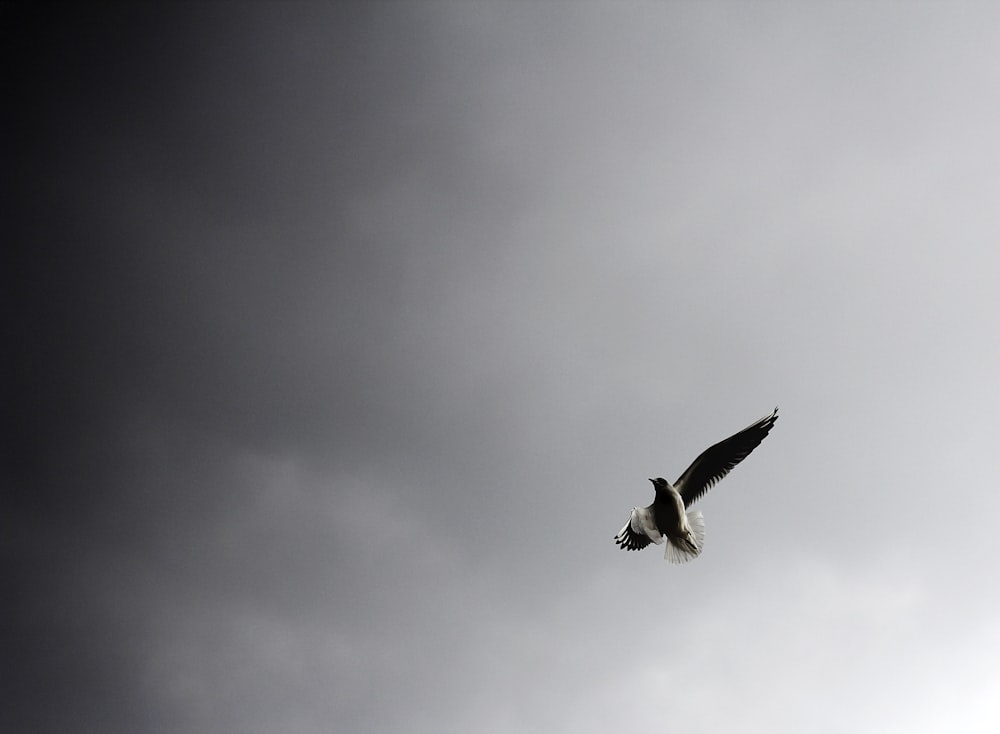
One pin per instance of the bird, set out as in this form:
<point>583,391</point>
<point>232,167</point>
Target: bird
<point>668,517</point>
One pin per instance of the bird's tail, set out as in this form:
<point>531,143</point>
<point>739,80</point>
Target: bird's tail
<point>686,549</point>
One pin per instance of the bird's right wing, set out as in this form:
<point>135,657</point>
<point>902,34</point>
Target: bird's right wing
<point>717,461</point>
<point>632,537</point>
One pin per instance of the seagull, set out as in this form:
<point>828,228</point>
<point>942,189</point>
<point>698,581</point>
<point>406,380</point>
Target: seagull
<point>685,531</point>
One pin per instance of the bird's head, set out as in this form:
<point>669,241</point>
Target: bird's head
<point>659,483</point>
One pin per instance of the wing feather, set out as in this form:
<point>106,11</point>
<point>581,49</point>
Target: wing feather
<point>717,461</point>
<point>629,538</point>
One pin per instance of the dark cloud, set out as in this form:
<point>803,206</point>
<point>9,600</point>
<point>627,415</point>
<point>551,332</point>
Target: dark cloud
<point>343,338</point>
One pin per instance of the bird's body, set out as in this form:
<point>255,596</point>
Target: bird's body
<point>668,516</point>
<point>668,512</point>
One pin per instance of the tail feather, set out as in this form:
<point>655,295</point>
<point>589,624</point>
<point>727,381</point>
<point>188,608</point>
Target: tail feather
<point>682,551</point>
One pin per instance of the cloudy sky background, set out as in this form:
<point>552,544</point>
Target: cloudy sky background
<point>343,338</point>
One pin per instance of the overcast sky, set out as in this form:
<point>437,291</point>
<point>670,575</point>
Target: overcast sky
<point>342,338</point>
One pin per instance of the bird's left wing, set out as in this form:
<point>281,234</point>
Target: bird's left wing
<point>632,536</point>
<point>717,461</point>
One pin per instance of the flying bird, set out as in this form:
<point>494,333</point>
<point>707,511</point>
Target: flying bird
<point>667,516</point>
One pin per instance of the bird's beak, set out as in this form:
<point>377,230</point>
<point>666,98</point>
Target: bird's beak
<point>653,481</point>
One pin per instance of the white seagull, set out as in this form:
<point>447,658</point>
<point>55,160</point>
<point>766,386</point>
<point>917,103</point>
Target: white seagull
<point>685,531</point>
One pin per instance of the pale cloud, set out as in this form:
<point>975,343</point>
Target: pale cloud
<point>346,337</point>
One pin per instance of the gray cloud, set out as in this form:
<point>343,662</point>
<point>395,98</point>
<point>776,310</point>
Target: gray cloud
<point>345,337</point>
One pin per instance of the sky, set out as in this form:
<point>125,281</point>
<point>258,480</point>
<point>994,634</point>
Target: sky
<point>342,339</point>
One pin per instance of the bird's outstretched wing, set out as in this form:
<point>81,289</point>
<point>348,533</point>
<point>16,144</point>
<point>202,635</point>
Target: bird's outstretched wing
<point>716,462</point>
<point>630,538</point>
